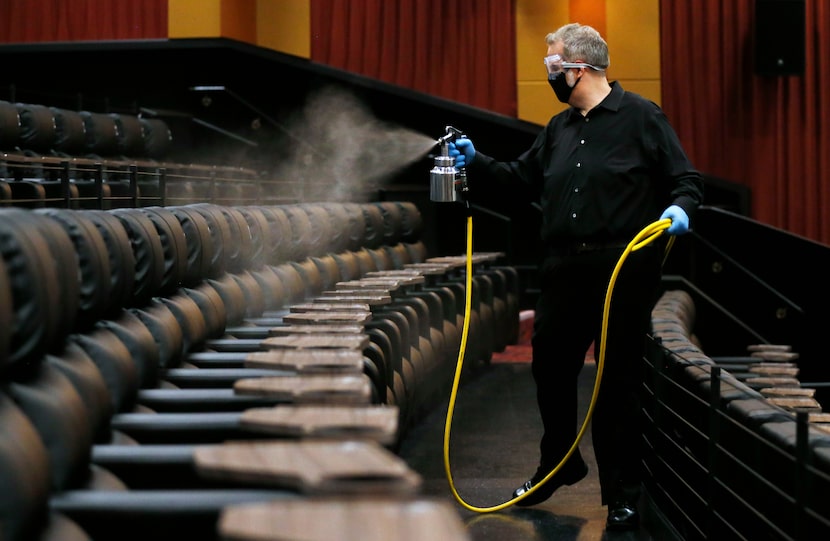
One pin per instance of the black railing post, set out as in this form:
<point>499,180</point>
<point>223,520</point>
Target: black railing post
<point>65,191</point>
<point>802,459</point>
<point>659,369</point>
<point>712,458</point>
<point>213,189</point>
<point>134,185</point>
<point>162,174</point>
<point>99,184</point>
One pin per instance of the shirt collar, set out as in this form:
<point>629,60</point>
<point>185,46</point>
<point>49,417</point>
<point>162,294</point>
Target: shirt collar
<point>611,102</point>
<point>613,99</point>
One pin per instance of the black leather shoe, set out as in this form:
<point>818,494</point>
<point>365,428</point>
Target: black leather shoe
<point>622,516</point>
<point>568,475</point>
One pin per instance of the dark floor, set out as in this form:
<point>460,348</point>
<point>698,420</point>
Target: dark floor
<point>493,449</point>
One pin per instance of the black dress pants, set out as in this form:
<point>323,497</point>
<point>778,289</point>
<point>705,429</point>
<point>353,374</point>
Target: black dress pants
<point>568,319</point>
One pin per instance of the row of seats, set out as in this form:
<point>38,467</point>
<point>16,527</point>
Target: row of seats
<point>729,439</point>
<point>57,157</point>
<point>46,129</point>
<point>32,180</point>
<point>169,371</point>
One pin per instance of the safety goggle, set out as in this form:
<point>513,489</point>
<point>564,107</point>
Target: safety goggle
<point>555,65</point>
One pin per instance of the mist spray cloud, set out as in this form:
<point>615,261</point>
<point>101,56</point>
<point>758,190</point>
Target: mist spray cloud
<point>341,151</point>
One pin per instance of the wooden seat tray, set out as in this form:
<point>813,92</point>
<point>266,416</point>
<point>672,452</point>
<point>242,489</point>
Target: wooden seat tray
<point>377,423</point>
<point>310,466</point>
<point>317,341</point>
<point>305,389</point>
<point>351,298</point>
<point>315,328</point>
<point>324,519</point>
<point>323,307</point>
<point>308,361</point>
<point>328,317</point>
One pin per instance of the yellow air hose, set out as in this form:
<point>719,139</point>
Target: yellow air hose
<point>647,235</point>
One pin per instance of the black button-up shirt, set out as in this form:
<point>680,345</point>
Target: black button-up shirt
<point>604,176</point>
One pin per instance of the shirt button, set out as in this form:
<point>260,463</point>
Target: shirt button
<point>579,164</point>
<point>573,215</point>
<point>576,190</point>
<point>587,119</point>
<point>582,142</point>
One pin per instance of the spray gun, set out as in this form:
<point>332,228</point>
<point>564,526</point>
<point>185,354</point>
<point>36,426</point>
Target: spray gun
<point>447,184</point>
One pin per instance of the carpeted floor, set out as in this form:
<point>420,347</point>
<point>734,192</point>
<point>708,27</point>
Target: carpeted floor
<point>519,352</point>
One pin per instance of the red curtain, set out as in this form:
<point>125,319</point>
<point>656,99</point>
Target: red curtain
<point>24,21</point>
<point>461,50</point>
<point>770,133</point>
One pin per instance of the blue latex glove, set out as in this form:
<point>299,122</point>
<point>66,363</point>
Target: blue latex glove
<point>463,151</point>
<point>679,220</point>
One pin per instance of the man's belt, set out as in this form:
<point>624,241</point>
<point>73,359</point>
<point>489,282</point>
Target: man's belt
<point>583,247</point>
<point>586,247</point>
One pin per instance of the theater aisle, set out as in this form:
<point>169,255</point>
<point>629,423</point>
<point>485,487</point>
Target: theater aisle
<point>495,434</point>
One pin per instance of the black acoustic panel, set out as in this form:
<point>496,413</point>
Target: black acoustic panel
<point>780,37</point>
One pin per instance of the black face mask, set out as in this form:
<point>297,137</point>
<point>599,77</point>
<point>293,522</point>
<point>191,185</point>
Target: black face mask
<point>560,87</point>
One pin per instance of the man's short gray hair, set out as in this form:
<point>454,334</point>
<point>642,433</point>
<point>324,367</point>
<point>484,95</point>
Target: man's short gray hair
<point>581,42</point>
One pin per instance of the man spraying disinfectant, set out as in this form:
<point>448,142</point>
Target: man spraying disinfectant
<point>602,171</point>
